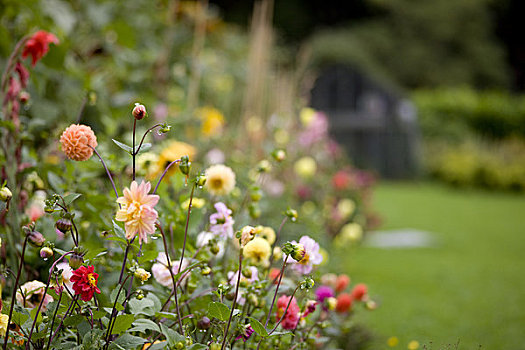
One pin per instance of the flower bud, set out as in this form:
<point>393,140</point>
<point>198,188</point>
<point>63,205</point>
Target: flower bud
<point>204,323</point>
<point>140,295</point>
<point>164,128</point>
<point>24,97</point>
<point>298,252</point>
<point>279,155</point>
<point>264,166</point>
<point>292,214</point>
<point>46,253</point>
<point>201,180</point>
<point>371,305</point>
<point>252,299</point>
<point>5,194</point>
<point>215,249</point>
<point>331,303</point>
<point>36,238</point>
<point>139,111</point>
<point>142,275</point>
<point>185,165</point>
<point>75,261</point>
<point>179,345</point>
<point>255,194</point>
<point>191,286</point>
<point>215,346</point>
<point>247,234</point>
<point>254,210</point>
<point>205,271</point>
<point>63,225</point>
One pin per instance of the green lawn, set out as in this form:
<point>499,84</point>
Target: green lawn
<point>469,287</point>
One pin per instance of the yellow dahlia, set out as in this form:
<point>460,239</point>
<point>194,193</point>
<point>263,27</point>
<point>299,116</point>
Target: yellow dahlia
<point>212,121</point>
<point>220,179</point>
<point>173,151</point>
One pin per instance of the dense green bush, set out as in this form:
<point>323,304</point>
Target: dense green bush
<point>452,113</point>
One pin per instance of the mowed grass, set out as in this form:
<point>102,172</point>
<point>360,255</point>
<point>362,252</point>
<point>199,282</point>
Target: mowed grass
<point>469,288</point>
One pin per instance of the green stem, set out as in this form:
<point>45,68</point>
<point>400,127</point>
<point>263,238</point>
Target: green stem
<point>234,301</point>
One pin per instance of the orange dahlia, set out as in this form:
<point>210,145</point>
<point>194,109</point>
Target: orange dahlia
<point>76,141</point>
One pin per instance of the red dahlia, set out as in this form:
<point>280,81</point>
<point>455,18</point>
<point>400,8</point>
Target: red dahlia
<point>85,282</point>
<point>38,45</point>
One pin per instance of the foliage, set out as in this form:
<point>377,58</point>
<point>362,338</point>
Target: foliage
<point>419,44</point>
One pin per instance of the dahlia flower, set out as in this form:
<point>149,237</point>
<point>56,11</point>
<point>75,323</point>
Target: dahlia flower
<point>360,291</point>
<point>162,274</point>
<point>222,222</point>
<point>85,281</point>
<point>67,272</point>
<point>3,324</point>
<point>38,45</point>
<point>344,302</point>
<point>204,238</point>
<point>257,250</point>
<point>311,257</point>
<point>220,179</point>
<point>174,150</point>
<point>137,211</point>
<point>31,294</point>
<point>324,292</point>
<point>292,315</point>
<point>76,141</point>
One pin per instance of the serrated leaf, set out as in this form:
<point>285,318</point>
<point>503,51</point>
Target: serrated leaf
<point>219,311</point>
<point>122,323</point>
<point>123,146</point>
<point>143,324</point>
<point>258,327</point>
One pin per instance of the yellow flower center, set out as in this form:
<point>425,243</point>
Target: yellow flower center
<point>92,280</point>
<point>305,260</point>
<point>216,183</point>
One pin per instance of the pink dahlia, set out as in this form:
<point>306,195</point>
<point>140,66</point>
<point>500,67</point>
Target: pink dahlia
<point>77,142</point>
<point>310,258</point>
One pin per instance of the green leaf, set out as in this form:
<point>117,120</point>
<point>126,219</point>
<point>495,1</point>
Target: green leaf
<point>198,347</point>
<point>73,320</point>
<point>95,253</point>
<point>121,296</point>
<point>123,146</point>
<point>142,325</point>
<point>144,148</point>
<point>218,310</point>
<point>122,323</point>
<point>171,336</point>
<point>118,230</point>
<point>55,181</point>
<point>128,341</point>
<point>258,327</point>
<point>98,314</point>
<point>70,198</point>
<point>19,318</point>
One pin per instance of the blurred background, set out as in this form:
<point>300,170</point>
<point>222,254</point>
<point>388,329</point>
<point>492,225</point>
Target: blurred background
<point>426,95</point>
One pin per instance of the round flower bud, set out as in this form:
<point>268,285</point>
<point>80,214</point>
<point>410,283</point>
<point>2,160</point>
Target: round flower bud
<point>36,238</point>
<point>139,111</point>
<point>204,323</point>
<point>75,261</point>
<point>205,271</point>
<point>200,180</point>
<point>5,194</point>
<point>264,166</point>
<point>253,300</point>
<point>179,345</point>
<point>371,305</point>
<point>279,155</point>
<point>214,249</point>
<point>142,275</point>
<point>331,303</point>
<point>215,346</point>
<point>140,295</point>
<point>63,225</point>
<point>25,97</point>
<point>255,194</point>
<point>298,252</point>
<point>292,214</point>
<point>46,253</point>
<point>254,210</point>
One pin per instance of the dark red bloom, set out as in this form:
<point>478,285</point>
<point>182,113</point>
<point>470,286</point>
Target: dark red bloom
<point>85,282</point>
<point>22,73</point>
<point>359,291</point>
<point>38,45</point>
<point>344,302</point>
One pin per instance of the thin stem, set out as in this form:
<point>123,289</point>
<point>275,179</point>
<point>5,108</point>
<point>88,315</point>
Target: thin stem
<point>285,311</point>
<point>113,311</point>
<point>172,278</point>
<point>107,171</point>
<point>123,268</point>
<point>133,153</point>
<point>144,136</point>
<point>164,173</point>
<point>44,294</point>
<point>234,300</point>
<point>186,228</point>
<point>276,239</point>
<point>13,298</point>
<point>53,319</point>
<point>276,290</point>
<point>73,302</point>
<point>12,60</point>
